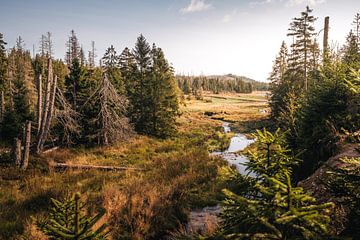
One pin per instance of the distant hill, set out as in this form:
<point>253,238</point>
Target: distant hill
<point>219,83</point>
<point>232,77</point>
<point>256,85</point>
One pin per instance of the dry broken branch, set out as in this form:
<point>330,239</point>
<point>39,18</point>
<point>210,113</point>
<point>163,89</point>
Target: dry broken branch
<point>114,126</point>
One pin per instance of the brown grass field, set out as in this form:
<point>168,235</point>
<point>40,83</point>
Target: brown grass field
<point>180,174</point>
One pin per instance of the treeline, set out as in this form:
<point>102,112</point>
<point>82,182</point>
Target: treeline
<point>77,102</point>
<point>219,84</point>
<point>312,92</point>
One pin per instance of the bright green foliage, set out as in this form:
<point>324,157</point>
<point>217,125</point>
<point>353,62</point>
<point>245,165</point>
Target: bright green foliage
<point>354,83</point>
<point>344,183</point>
<point>271,155</point>
<point>277,211</point>
<point>271,208</point>
<point>66,221</point>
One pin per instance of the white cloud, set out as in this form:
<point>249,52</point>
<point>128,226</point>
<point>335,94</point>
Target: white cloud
<point>196,6</point>
<point>228,17</point>
<point>310,2</point>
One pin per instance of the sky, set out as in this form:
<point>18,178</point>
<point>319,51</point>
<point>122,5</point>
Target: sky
<point>199,37</point>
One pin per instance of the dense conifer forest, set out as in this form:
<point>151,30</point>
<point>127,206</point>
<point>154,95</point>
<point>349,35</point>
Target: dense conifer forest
<point>123,148</point>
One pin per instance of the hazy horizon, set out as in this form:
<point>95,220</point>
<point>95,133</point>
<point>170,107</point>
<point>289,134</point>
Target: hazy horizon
<point>198,36</point>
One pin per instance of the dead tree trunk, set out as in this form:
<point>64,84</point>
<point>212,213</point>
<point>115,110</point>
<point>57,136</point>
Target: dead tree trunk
<point>2,106</point>
<point>25,159</point>
<point>39,103</point>
<point>50,114</point>
<point>64,166</point>
<point>326,39</point>
<point>66,117</point>
<point>46,108</point>
<point>17,151</point>
<point>105,124</point>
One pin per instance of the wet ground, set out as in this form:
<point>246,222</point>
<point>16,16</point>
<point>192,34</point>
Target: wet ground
<point>206,218</point>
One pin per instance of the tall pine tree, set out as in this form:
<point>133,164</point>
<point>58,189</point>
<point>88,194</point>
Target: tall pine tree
<point>164,96</point>
<point>111,62</point>
<point>153,94</point>
<point>302,30</point>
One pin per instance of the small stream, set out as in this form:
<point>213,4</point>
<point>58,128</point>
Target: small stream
<point>237,143</point>
<point>200,220</point>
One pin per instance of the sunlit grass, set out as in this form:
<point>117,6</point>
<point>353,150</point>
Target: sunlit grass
<point>178,165</point>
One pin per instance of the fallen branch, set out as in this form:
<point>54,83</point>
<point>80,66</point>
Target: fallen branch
<point>64,166</point>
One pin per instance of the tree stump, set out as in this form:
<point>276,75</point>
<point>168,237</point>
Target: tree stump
<point>25,160</point>
<point>17,151</point>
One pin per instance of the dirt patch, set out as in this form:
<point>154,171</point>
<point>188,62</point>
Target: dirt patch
<point>316,186</point>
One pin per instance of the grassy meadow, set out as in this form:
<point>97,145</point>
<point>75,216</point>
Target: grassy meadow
<point>179,175</point>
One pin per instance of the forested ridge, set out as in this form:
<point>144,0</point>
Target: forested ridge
<point>127,149</point>
<point>218,84</point>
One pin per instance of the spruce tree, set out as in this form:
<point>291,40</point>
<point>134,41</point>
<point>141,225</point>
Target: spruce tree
<point>3,63</point>
<point>279,85</point>
<point>3,77</point>
<point>140,90</point>
<point>21,91</point>
<point>111,62</point>
<point>271,207</point>
<point>127,68</point>
<point>302,30</point>
<point>75,85</point>
<point>73,49</point>
<point>351,51</point>
<point>68,222</point>
<point>186,87</point>
<point>164,106</point>
<point>151,89</point>
<point>356,29</point>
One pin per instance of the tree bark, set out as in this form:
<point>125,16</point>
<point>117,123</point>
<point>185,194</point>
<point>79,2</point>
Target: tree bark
<point>39,103</point>
<point>326,39</point>
<point>48,120</point>
<point>17,151</point>
<point>46,107</point>
<point>25,159</point>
